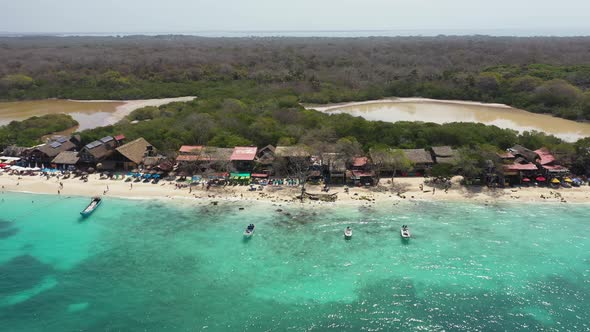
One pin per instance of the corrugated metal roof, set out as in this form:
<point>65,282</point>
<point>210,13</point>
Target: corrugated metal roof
<point>244,153</point>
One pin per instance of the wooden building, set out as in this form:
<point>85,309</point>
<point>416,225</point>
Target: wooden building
<point>100,151</point>
<point>129,156</point>
<point>242,158</point>
<point>444,155</point>
<point>66,160</point>
<point>421,160</point>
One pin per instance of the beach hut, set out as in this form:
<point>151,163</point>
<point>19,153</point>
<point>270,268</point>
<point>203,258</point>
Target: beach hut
<point>131,155</point>
<point>421,160</point>
<point>335,167</point>
<point>522,152</point>
<point>100,151</point>
<point>242,158</point>
<point>14,151</point>
<point>444,155</point>
<point>45,153</point>
<point>292,160</point>
<point>66,159</point>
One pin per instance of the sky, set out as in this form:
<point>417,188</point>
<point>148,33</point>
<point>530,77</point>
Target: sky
<point>170,16</point>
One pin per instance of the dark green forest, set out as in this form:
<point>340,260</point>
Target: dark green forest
<point>28,132</point>
<point>250,89</point>
<point>540,74</point>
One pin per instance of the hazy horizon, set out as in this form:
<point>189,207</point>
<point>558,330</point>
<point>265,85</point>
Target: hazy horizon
<point>319,33</point>
<point>227,17</point>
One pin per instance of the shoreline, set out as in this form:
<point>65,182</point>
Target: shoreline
<point>408,190</point>
<point>103,113</point>
<point>395,100</point>
<point>129,106</point>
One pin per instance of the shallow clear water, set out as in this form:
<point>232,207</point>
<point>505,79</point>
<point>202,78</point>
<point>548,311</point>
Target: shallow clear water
<point>151,266</point>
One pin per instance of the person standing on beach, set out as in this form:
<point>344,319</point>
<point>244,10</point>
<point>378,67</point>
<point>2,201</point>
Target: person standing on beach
<point>433,190</point>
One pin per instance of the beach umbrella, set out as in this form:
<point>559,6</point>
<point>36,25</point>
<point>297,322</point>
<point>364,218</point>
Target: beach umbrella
<point>540,179</point>
<point>526,180</point>
<point>555,180</point>
<point>568,180</point>
<point>3,165</point>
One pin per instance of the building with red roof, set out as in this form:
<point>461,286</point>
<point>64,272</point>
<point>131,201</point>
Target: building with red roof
<point>545,157</point>
<point>190,149</point>
<point>244,153</point>
<point>242,158</point>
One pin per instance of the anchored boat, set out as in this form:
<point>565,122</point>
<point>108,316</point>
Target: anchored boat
<point>348,233</point>
<point>405,232</point>
<point>91,207</point>
<point>249,230</point>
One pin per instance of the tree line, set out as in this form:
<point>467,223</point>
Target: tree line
<point>540,74</point>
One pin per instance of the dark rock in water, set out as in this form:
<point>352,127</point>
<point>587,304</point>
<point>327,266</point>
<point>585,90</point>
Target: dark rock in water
<point>8,233</point>
<point>279,210</point>
<point>241,208</point>
<point>7,229</point>
<point>22,273</point>
<point>6,224</point>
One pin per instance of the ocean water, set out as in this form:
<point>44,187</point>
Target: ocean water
<point>156,266</point>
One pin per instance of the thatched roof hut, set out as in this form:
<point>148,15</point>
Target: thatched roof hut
<point>521,151</point>
<point>136,150</point>
<point>418,156</point>
<point>295,151</point>
<point>14,151</point>
<point>66,158</point>
<point>444,154</point>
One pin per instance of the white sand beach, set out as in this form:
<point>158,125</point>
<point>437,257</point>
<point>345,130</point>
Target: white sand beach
<point>404,189</point>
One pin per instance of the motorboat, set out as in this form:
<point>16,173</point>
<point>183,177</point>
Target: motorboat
<point>348,233</point>
<point>249,230</point>
<point>405,232</point>
<point>91,207</point>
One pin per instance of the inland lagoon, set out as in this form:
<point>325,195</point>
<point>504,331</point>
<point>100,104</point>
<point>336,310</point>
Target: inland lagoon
<point>445,111</point>
<point>150,265</point>
<point>89,113</point>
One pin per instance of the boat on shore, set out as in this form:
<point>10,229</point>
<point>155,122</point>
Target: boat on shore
<point>91,207</point>
<point>249,230</point>
<point>405,232</point>
<point>348,233</point>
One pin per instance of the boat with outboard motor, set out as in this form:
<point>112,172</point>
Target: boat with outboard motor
<point>91,207</point>
<point>249,230</point>
<point>348,233</point>
<point>405,232</point>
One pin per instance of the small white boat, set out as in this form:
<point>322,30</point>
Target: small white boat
<point>91,207</point>
<point>405,232</point>
<point>249,230</point>
<point>347,233</point>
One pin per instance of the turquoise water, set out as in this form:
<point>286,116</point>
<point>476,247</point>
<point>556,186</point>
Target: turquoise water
<point>151,266</point>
